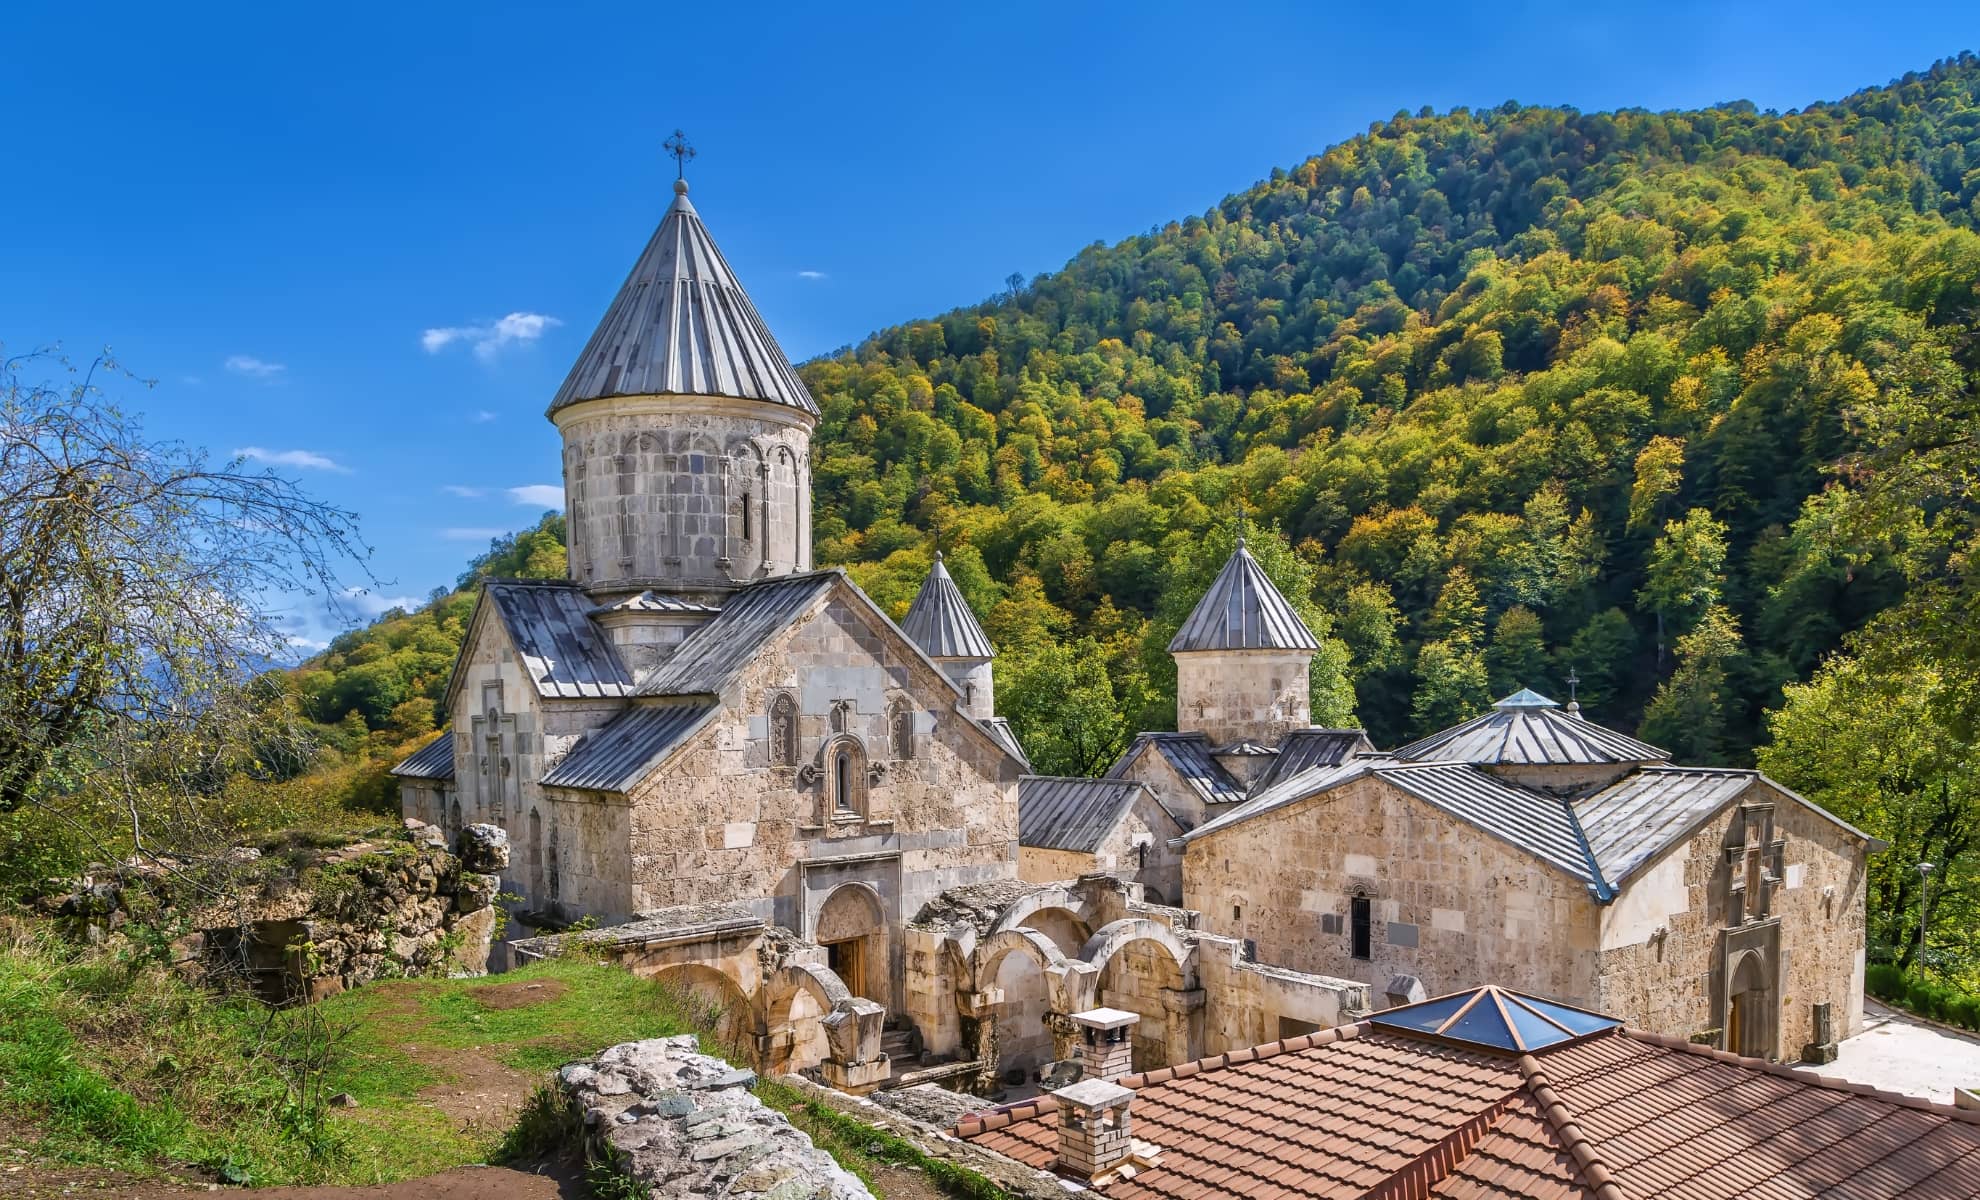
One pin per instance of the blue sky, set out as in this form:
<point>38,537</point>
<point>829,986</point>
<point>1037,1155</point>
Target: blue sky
<point>367,241</point>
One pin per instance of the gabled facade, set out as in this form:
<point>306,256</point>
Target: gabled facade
<point>1534,848</point>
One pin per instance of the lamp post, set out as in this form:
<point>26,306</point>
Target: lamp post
<point>1924,898</point>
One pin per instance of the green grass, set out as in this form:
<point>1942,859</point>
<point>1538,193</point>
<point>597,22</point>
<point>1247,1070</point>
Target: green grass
<point>120,1065</point>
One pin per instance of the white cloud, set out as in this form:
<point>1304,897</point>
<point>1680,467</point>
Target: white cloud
<point>482,416</point>
<point>465,493</point>
<point>308,459</point>
<point>254,368</point>
<point>488,340</point>
<point>299,642</point>
<point>811,275</point>
<point>369,604</point>
<point>458,534</point>
<point>542,495</point>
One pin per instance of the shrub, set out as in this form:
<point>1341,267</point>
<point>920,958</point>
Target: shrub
<point>1884,981</point>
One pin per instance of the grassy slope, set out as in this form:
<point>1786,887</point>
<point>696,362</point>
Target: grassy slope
<point>128,1069</point>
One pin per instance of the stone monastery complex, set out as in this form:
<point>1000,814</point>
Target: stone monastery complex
<point>766,790</point>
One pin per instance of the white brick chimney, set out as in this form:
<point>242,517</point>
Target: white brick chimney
<point>1094,1137</point>
<point>1106,1043</point>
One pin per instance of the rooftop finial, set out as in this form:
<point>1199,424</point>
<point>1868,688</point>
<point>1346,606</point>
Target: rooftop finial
<point>1572,680</point>
<point>1240,524</point>
<point>682,150</point>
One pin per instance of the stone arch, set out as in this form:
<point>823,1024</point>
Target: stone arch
<point>844,764</point>
<point>1023,910</point>
<point>748,507</point>
<point>714,999</point>
<point>1144,968</point>
<point>852,927</point>
<point>797,1000</point>
<point>1750,1008</point>
<point>1016,980</point>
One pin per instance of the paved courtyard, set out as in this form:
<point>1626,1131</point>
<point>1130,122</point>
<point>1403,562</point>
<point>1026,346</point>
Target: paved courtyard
<point>1902,1054</point>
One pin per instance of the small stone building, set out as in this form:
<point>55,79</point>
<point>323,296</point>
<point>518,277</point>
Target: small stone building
<point>1073,827</point>
<point>1534,849</point>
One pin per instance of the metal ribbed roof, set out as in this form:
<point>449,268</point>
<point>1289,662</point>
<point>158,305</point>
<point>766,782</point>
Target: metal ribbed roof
<point>1000,729</point>
<point>1303,749</point>
<point>620,753</point>
<point>1537,823</point>
<point>564,654</point>
<point>1288,789</point>
<point>1189,755</point>
<point>1528,729</point>
<point>1059,813</point>
<point>711,655</point>
<point>1242,611</point>
<point>1632,820</point>
<point>682,325</point>
<point>940,621</point>
<point>434,760</point>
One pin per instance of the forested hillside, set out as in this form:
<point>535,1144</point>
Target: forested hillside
<point>1523,392</point>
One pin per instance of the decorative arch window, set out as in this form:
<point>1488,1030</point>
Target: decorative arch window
<point>900,729</point>
<point>783,731</point>
<point>845,779</point>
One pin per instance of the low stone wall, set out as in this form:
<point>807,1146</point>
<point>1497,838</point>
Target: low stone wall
<point>302,924</point>
<point>679,1123</point>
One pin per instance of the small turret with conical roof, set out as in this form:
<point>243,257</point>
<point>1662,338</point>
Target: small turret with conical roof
<point>1243,659</point>
<point>687,434</point>
<point>941,623</point>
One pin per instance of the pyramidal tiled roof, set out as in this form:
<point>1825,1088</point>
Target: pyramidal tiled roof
<point>1527,728</point>
<point>1243,611</point>
<point>940,622</point>
<point>681,324</point>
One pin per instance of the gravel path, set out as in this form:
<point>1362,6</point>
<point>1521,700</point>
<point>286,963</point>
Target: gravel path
<point>1899,1053</point>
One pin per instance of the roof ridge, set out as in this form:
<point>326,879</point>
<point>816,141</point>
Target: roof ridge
<point>1561,1120</point>
<point>1421,1174</point>
<point>1807,1078</point>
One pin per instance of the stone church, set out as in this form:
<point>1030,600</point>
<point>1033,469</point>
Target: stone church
<point>770,794</point>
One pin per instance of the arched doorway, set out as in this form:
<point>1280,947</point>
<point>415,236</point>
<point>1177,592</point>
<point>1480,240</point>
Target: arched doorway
<point>1016,1039</point>
<point>852,927</point>
<point>1141,967</point>
<point>715,1003</point>
<point>1750,1009</point>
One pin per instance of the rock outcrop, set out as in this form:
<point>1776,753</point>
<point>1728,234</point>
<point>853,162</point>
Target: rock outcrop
<point>680,1123</point>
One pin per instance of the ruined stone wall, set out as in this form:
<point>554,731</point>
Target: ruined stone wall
<point>727,822</point>
<point>1235,694</point>
<point>685,492</point>
<point>1449,904</point>
<point>1662,959</point>
<point>1249,1004</point>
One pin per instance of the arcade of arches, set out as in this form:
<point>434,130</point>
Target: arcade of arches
<point>990,977</point>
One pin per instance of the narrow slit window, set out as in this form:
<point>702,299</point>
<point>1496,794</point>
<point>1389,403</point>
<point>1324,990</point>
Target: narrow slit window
<point>1360,919</point>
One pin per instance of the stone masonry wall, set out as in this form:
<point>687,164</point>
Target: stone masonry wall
<point>1235,694</point>
<point>1672,982</point>
<point>726,823</point>
<point>685,493</point>
<point>1450,905</point>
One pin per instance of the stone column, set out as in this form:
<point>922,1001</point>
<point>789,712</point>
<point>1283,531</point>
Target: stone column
<point>1184,1035</point>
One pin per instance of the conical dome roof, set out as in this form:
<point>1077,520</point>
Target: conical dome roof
<point>1243,611</point>
<point>939,620</point>
<point>682,325</point>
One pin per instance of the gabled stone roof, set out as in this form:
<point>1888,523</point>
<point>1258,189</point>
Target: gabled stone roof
<point>940,621</point>
<point>1059,813</point>
<point>434,761</point>
<point>682,325</point>
<point>1242,611</point>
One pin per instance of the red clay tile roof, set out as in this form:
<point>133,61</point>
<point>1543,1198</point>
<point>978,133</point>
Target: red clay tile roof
<point>1620,1115</point>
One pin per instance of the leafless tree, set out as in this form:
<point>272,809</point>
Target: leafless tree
<point>135,577</point>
